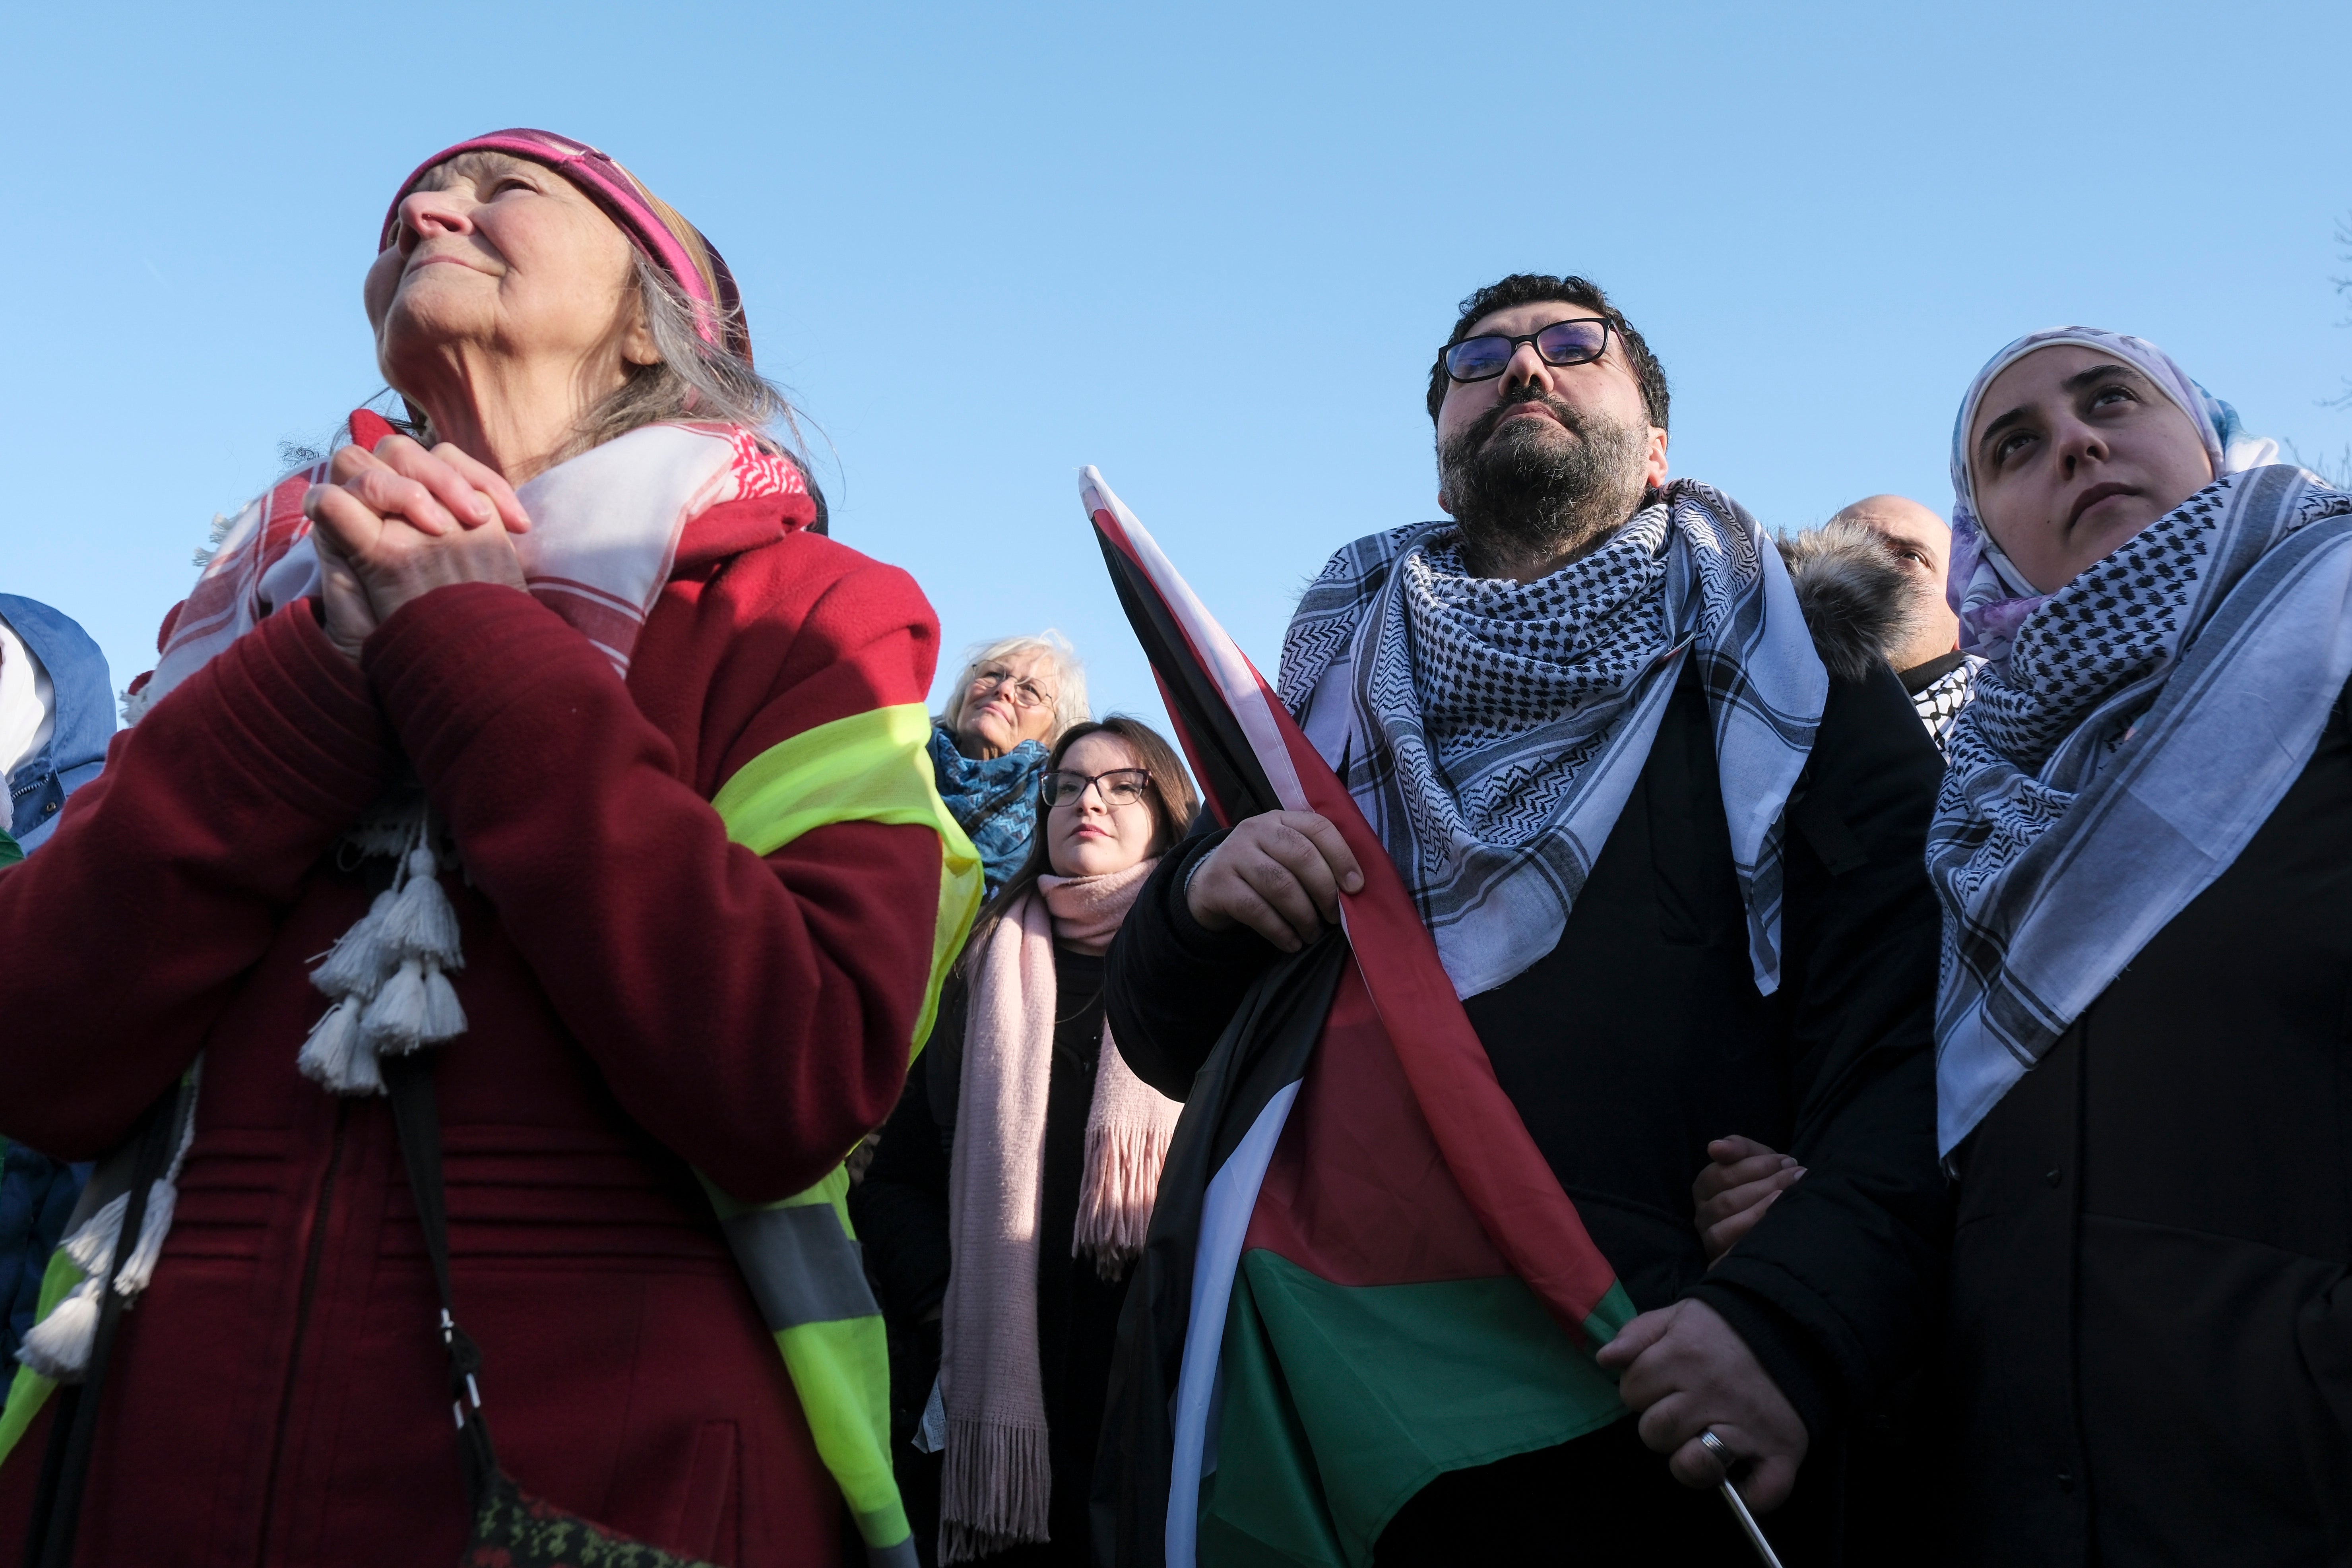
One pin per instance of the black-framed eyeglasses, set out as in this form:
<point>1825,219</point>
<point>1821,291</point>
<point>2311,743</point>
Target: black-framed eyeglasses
<point>1025,693</point>
<point>1579,340</point>
<point>1120,786</point>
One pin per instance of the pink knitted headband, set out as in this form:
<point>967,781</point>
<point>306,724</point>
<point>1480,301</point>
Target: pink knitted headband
<point>671,243</point>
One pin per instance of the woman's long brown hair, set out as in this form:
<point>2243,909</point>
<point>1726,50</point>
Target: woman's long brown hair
<point>1173,805</point>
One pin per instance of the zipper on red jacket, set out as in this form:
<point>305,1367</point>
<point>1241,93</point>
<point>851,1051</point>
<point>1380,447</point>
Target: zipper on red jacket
<point>313,1258</point>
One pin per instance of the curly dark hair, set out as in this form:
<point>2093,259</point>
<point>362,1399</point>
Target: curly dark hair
<point>1528,288</point>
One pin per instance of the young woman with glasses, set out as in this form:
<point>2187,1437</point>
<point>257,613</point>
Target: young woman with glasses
<point>1015,697</point>
<point>1028,1156</point>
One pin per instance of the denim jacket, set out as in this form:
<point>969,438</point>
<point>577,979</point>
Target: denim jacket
<point>85,718</point>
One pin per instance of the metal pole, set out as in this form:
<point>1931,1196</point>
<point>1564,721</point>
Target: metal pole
<point>1723,1457</point>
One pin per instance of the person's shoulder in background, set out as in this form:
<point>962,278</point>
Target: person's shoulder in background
<point>57,716</point>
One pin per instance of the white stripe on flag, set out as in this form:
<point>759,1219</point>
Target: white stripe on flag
<point>1244,692</point>
<point>1224,1219</point>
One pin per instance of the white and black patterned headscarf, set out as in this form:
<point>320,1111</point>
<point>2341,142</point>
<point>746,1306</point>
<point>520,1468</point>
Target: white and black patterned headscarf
<point>1492,730</point>
<point>2128,734</point>
<point>1989,593</point>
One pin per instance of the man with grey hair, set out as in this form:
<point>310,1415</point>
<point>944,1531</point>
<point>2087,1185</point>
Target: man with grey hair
<point>1927,658</point>
<point>1672,862</point>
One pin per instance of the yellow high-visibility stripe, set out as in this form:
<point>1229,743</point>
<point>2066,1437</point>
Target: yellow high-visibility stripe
<point>870,767</point>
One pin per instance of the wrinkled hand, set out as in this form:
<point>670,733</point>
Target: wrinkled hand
<point>1687,1370</point>
<point>400,521</point>
<point>1280,874</point>
<point>1743,1179</point>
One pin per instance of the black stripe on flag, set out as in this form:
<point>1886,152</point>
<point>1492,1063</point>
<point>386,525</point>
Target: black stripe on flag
<point>1263,1050</point>
<point>1220,753</point>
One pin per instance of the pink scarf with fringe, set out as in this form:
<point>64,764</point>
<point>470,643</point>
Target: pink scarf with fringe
<point>998,1480</point>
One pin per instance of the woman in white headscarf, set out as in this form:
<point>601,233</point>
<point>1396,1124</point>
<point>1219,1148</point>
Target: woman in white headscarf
<point>2144,851</point>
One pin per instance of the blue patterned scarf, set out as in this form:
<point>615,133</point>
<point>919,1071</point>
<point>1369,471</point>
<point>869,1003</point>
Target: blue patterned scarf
<point>993,800</point>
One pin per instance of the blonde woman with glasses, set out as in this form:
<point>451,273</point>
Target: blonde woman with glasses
<point>1013,699</point>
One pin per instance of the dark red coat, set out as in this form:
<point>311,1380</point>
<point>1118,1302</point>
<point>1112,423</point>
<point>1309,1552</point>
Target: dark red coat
<point>643,997</point>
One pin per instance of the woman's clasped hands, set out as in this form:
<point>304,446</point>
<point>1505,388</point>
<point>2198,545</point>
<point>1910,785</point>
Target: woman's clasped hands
<point>401,521</point>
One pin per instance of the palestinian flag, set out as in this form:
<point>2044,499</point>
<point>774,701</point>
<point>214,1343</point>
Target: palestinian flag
<point>1361,1272</point>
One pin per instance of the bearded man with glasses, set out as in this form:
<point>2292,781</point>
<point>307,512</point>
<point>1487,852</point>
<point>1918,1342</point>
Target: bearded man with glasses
<point>1668,840</point>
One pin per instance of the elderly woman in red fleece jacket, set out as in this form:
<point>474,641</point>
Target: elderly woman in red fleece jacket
<point>600,772</point>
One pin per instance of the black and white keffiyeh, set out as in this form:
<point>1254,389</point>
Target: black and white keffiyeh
<point>2140,725</point>
<point>1939,700</point>
<point>1492,730</point>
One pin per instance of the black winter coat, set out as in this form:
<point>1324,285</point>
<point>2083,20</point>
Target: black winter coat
<point>2152,1341</point>
<point>1641,1037</point>
<point>902,1217</point>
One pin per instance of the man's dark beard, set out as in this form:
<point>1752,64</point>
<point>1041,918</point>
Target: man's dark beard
<point>1530,498</point>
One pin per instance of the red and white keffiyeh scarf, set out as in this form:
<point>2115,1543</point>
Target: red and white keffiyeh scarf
<point>605,527</point>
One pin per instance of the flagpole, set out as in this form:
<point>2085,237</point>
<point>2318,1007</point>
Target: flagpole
<point>1723,1456</point>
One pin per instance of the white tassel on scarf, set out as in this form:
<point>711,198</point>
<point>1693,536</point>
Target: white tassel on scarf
<point>58,1346</point>
<point>388,976</point>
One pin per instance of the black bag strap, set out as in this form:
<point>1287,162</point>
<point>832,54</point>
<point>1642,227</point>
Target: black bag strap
<point>73,1430</point>
<point>418,1121</point>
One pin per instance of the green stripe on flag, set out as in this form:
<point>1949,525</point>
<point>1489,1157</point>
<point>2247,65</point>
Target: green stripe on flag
<point>1341,1402</point>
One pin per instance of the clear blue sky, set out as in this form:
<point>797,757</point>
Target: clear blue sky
<point>1208,247</point>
